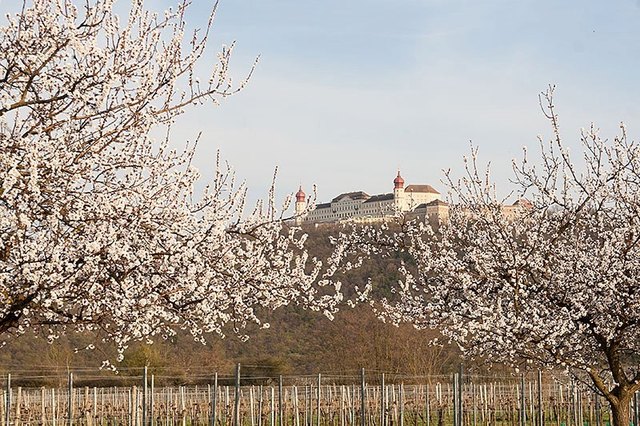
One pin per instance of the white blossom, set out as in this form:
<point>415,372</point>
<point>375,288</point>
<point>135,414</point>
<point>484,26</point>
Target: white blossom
<point>556,284</point>
<point>100,226</point>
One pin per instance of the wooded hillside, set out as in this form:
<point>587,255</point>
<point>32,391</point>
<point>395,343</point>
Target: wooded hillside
<point>297,342</point>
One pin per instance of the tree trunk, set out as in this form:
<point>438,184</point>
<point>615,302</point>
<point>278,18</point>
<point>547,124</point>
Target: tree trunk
<point>621,411</point>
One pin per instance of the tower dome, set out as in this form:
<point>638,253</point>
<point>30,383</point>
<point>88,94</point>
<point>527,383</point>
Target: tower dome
<point>300,195</point>
<point>398,182</point>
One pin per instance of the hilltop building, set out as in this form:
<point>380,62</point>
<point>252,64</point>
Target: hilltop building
<point>419,200</point>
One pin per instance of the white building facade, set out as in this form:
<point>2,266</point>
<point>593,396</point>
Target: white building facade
<point>421,200</point>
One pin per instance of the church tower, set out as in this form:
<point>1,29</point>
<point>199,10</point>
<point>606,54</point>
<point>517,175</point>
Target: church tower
<point>398,193</point>
<point>301,205</point>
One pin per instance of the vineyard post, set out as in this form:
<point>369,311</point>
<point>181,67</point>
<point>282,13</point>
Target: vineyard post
<point>533,414</point>
<point>272,416</point>
<point>473,402</point>
<point>426,403</point>
<point>70,400</point>
<point>144,396</point>
<point>129,397</point>
<point>352,404</point>
<point>7,410</point>
<point>308,402</point>
<point>135,404</point>
<point>54,412</point>
<point>573,403</point>
<point>214,397</point>
<point>363,420</point>
<point>382,402</point>
<point>294,402</point>
<point>460,394</point>
<point>540,412</point>
<point>183,404</point>
<point>94,411</point>
<point>260,402</point>
<point>236,407</point>
<point>456,421</point>
<point>523,409</point>
<point>251,405</point>
<point>43,417</point>
<point>401,403</point>
<point>568,406</point>
<point>576,407</point>
<point>318,400</point>
<point>280,407</point>
<point>559,402</point>
<point>18,404</point>
<point>343,404</point>
<point>153,400</point>
<point>581,409</point>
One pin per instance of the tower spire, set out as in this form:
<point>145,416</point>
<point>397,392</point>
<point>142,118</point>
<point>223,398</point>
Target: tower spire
<point>398,182</point>
<point>301,205</point>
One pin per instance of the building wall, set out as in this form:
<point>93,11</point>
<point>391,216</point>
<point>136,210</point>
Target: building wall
<point>422,205</point>
<point>371,209</point>
<point>347,209</point>
<point>414,199</point>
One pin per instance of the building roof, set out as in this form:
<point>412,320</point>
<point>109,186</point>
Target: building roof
<point>300,195</point>
<point>421,188</point>
<point>433,203</point>
<point>398,182</point>
<point>323,206</point>
<point>523,202</point>
<point>356,195</point>
<point>380,197</point>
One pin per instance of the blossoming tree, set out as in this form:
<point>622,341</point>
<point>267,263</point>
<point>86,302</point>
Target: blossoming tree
<point>100,228</point>
<point>554,284</point>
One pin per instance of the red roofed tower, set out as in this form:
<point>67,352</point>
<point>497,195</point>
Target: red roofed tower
<point>398,182</point>
<point>301,205</point>
<point>398,193</point>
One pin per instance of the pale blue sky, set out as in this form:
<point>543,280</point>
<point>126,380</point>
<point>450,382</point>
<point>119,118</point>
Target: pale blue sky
<point>348,91</point>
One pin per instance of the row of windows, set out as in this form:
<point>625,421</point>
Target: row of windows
<point>324,215</point>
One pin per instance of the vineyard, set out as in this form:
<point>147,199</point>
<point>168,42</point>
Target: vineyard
<point>364,399</point>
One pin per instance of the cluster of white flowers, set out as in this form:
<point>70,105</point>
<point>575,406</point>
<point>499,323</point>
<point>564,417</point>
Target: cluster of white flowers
<point>100,228</point>
<point>557,284</point>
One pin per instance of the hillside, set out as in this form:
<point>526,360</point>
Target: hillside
<point>298,342</point>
